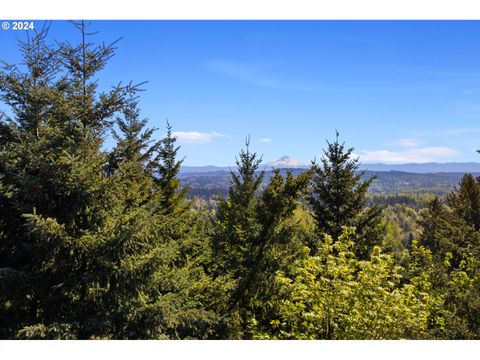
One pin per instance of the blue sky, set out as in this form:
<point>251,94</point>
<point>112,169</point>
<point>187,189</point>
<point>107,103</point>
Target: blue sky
<point>398,91</point>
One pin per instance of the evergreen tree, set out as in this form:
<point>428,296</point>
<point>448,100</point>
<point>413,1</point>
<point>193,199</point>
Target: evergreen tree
<point>168,168</point>
<point>80,228</point>
<point>253,239</point>
<point>432,216</point>
<point>134,141</point>
<point>52,173</point>
<point>235,216</point>
<point>339,198</point>
<point>445,231</point>
<point>449,233</point>
<point>465,200</point>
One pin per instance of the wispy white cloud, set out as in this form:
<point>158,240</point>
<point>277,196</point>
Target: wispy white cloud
<point>195,137</point>
<point>457,132</point>
<point>407,142</point>
<point>265,141</point>
<point>258,74</point>
<point>435,73</point>
<point>426,136</point>
<point>246,73</point>
<point>252,73</point>
<point>410,155</point>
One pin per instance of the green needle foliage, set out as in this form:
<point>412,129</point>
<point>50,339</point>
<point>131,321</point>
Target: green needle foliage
<point>253,238</point>
<point>86,232</point>
<point>339,198</point>
<point>168,168</point>
<point>466,201</point>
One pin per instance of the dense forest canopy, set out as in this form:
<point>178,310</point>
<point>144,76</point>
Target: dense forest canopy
<point>107,244</point>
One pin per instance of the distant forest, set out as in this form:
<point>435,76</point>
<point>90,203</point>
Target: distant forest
<point>207,185</point>
<point>116,244</point>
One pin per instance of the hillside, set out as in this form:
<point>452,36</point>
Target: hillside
<point>208,184</point>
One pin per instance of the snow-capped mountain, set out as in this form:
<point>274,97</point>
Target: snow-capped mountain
<point>286,162</point>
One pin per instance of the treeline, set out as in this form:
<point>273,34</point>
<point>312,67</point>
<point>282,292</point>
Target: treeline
<point>104,244</point>
<point>211,184</point>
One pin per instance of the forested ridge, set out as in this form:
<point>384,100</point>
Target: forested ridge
<point>106,244</point>
<point>208,185</point>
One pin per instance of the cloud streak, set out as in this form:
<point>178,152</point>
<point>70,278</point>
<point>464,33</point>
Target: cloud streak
<point>457,132</point>
<point>257,74</point>
<point>195,137</point>
<point>410,155</point>
<point>249,74</point>
<point>265,141</point>
<point>253,74</point>
<point>407,142</point>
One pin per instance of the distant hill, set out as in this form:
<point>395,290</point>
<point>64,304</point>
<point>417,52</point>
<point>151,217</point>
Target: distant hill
<point>287,162</point>
<point>203,169</point>
<point>425,168</point>
<point>209,184</point>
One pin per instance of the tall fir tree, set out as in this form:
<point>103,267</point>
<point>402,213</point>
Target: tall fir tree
<point>168,168</point>
<point>465,200</point>
<point>92,254</point>
<point>339,198</point>
<point>430,222</point>
<point>133,140</point>
<point>52,169</point>
<point>449,234</point>
<point>254,238</point>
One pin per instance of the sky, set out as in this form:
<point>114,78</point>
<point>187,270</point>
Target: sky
<point>397,91</point>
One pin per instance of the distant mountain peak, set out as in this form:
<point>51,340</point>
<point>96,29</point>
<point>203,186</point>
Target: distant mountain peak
<point>287,158</point>
<point>286,161</point>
